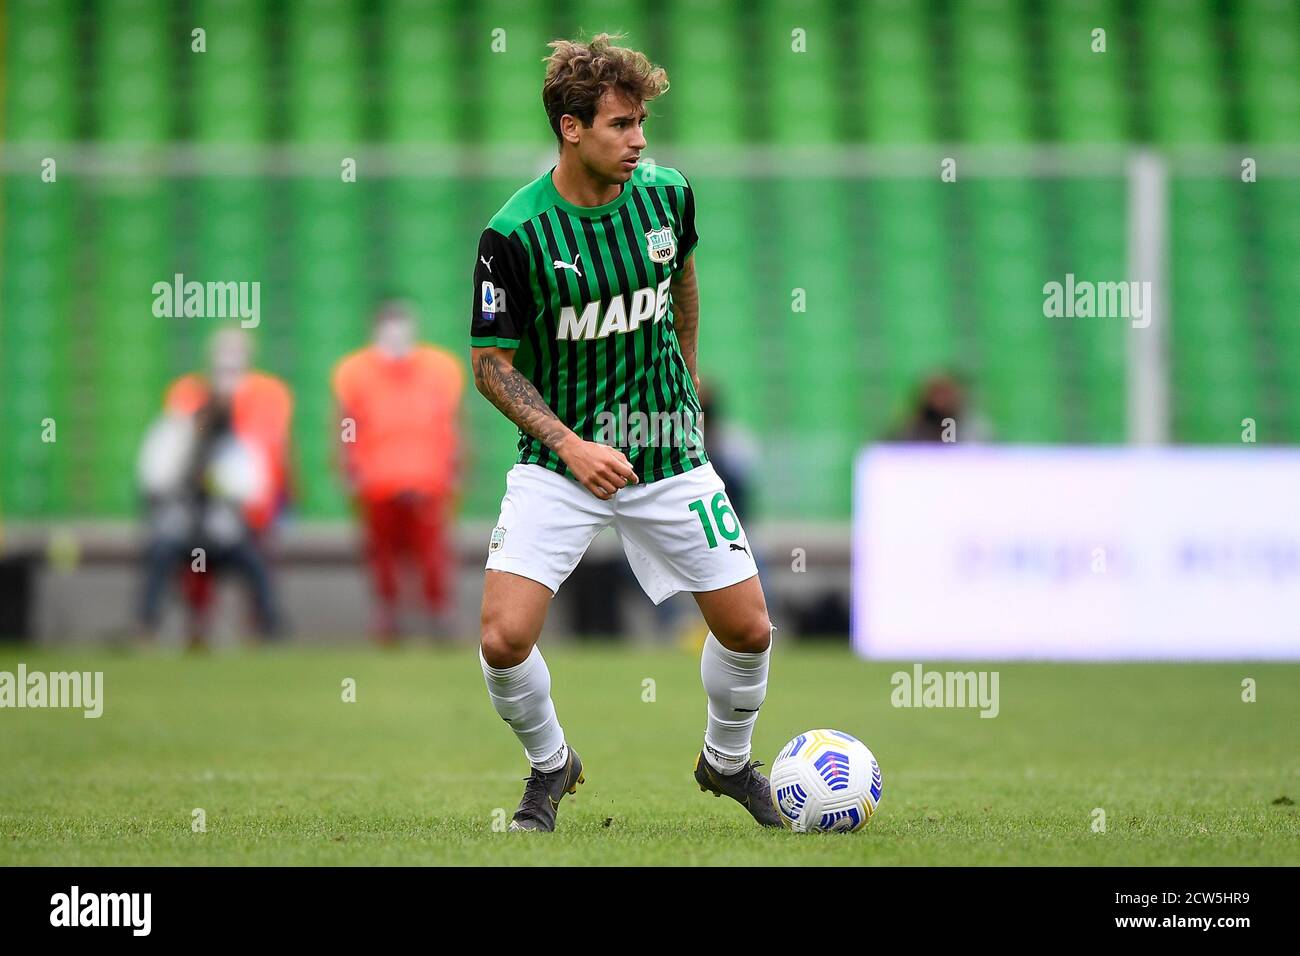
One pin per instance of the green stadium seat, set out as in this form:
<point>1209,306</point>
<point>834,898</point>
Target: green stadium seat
<point>505,109</point>
<point>708,103</point>
<point>423,66</point>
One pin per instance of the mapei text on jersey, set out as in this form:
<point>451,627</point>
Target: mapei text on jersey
<point>617,315</point>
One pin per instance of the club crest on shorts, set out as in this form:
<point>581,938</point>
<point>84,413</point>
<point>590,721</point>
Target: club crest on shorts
<point>498,538</point>
<point>661,245</point>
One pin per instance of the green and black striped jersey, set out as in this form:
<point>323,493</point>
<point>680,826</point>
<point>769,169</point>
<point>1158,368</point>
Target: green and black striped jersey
<point>582,295</point>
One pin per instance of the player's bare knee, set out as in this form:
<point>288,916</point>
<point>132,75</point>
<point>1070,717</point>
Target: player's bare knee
<point>758,638</point>
<point>753,637</point>
<point>499,651</point>
<point>501,648</point>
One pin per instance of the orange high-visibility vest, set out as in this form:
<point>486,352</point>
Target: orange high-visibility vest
<point>405,410</point>
<point>261,411</point>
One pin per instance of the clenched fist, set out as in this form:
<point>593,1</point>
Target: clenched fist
<point>601,470</point>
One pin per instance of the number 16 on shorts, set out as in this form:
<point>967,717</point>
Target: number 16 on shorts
<point>717,518</point>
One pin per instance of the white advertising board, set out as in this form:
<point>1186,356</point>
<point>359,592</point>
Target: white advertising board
<point>1074,553</point>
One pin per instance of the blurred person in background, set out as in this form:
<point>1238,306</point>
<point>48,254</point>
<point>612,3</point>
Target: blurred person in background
<point>942,412</point>
<point>399,405</point>
<point>214,471</point>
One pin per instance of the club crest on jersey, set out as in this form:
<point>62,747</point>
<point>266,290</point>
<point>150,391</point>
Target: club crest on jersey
<point>493,299</point>
<point>661,245</point>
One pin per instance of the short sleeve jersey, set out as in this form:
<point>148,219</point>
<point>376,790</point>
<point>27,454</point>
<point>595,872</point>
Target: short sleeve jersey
<point>582,295</point>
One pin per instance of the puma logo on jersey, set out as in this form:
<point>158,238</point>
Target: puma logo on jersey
<point>487,262</point>
<point>564,265</point>
<point>739,547</point>
<point>600,319</point>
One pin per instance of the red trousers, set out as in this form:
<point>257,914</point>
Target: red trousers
<point>413,526</point>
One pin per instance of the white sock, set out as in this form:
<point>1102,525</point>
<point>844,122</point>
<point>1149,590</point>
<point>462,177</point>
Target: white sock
<point>551,764</point>
<point>736,684</point>
<point>522,696</point>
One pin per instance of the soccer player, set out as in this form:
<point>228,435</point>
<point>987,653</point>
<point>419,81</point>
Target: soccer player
<point>584,335</point>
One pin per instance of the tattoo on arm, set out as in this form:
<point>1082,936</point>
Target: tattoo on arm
<point>518,399</point>
<point>686,312</point>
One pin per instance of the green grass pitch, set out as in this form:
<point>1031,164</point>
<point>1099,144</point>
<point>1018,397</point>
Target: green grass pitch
<point>412,772</point>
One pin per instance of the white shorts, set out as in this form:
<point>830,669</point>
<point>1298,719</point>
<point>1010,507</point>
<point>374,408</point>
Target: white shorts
<point>679,533</point>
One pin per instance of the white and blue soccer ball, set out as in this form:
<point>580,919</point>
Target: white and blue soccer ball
<point>825,781</point>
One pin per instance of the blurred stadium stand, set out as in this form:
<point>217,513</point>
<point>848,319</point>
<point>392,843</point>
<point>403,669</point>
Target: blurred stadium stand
<point>814,171</point>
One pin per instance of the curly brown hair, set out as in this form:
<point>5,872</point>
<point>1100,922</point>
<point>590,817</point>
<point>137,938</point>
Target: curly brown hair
<point>578,74</point>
